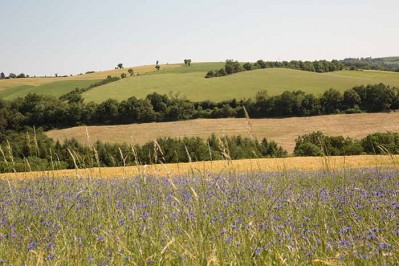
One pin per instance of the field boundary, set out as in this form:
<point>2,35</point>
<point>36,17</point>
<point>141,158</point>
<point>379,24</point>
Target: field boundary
<point>236,166</point>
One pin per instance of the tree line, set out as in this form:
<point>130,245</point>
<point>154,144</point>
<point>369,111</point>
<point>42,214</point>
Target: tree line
<point>369,63</point>
<point>318,144</point>
<point>319,66</point>
<point>71,109</point>
<point>33,150</point>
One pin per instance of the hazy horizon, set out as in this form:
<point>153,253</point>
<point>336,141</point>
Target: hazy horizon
<point>68,37</point>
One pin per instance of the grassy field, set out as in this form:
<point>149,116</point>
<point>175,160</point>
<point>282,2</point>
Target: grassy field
<point>13,88</point>
<point>283,131</point>
<point>190,82</point>
<point>327,217</point>
<point>56,88</point>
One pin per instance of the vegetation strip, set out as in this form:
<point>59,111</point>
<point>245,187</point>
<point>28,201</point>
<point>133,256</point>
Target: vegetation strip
<point>49,112</point>
<point>26,152</point>
<point>326,163</point>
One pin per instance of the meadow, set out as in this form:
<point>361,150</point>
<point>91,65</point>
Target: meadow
<point>284,131</point>
<point>190,82</point>
<point>324,217</point>
<point>57,86</point>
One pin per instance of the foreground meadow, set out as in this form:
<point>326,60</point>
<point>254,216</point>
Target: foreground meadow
<point>326,217</point>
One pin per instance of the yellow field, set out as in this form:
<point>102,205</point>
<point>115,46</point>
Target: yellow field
<point>9,83</point>
<point>283,131</point>
<point>236,166</point>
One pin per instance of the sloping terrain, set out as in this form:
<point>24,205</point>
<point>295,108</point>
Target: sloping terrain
<point>57,86</point>
<point>283,131</point>
<point>190,82</point>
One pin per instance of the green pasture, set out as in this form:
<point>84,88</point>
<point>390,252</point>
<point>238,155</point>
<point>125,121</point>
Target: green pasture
<point>190,82</point>
<point>56,88</point>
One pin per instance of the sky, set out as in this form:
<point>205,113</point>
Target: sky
<point>44,37</point>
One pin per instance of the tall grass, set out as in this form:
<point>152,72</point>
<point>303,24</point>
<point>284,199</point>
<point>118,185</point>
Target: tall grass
<point>282,218</point>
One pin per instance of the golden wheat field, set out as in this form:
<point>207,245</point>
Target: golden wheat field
<point>236,166</point>
<point>283,131</point>
<point>9,83</point>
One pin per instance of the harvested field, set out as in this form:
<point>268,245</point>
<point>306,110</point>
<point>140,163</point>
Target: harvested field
<point>98,75</point>
<point>239,166</point>
<point>283,131</point>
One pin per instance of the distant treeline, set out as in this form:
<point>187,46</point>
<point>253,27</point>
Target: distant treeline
<point>35,151</point>
<point>372,63</point>
<point>320,66</point>
<point>71,110</point>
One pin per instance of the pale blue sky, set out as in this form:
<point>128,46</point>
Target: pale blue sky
<point>41,37</point>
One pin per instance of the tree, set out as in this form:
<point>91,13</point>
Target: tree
<point>331,101</point>
<point>123,75</point>
<point>12,76</point>
<point>131,72</point>
<point>210,74</point>
<point>2,76</point>
<point>120,65</point>
<point>248,66</point>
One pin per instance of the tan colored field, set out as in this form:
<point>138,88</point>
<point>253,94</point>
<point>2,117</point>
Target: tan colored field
<point>283,131</point>
<point>237,166</point>
<point>9,83</point>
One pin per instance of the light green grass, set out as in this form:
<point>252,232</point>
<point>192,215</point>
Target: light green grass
<point>190,82</point>
<point>56,88</point>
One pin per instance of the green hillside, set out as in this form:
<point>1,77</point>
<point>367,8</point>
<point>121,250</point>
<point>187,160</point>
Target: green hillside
<point>190,82</point>
<point>56,88</point>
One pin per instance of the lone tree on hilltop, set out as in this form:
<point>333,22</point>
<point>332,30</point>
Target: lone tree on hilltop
<point>187,62</point>
<point>131,72</point>
<point>120,65</point>
<point>2,76</point>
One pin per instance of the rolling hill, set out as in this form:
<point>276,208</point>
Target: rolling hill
<point>190,82</point>
<point>57,86</point>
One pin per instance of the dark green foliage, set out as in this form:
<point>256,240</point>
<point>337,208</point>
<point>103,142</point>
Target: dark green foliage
<point>34,151</point>
<point>331,101</point>
<point>370,63</point>
<point>381,143</point>
<point>70,109</point>
<point>317,144</point>
<point>321,66</point>
<point>123,75</point>
<point>2,75</point>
